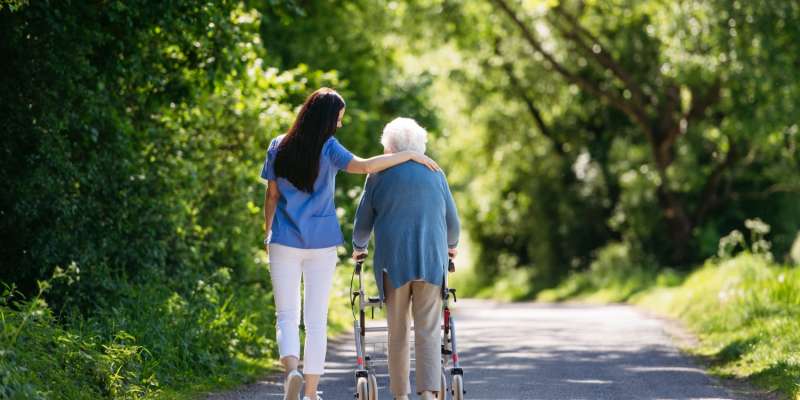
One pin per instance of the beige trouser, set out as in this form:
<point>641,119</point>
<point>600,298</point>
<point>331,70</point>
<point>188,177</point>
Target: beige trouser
<point>426,308</point>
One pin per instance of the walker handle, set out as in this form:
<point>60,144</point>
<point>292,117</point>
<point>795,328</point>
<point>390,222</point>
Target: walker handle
<point>360,261</point>
<point>451,266</point>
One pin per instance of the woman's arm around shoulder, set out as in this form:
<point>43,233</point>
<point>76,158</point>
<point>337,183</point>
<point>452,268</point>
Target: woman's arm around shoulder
<point>375,164</point>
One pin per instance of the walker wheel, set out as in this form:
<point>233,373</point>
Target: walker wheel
<point>442,395</point>
<point>458,387</point>
<point>373,387</point>
<point>361,389</point>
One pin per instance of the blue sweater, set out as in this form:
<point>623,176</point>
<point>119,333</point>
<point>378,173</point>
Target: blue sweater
<point>415,220</point>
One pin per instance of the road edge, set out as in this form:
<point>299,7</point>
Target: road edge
<point>685,341</point>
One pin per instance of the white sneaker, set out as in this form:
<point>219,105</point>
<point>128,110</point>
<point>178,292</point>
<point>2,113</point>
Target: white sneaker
<point>427,396</point>
<point>309,398</point>
<point>292,386</point>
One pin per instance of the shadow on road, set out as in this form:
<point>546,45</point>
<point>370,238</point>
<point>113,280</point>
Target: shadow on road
<point>544,352</point>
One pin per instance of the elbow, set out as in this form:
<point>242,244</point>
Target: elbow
<point>273,194</point>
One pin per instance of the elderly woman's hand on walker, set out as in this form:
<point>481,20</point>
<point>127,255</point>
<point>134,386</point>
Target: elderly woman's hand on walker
<point>358,253</point>
<point>453,252</point>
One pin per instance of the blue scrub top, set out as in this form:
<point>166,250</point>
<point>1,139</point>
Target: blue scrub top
<point>308,220</point>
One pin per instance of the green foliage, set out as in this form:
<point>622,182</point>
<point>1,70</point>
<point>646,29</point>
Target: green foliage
<point>13,5</point>
<point>151,165</point>
<point>154,338</point>
<point>132,140</point>
<point>79,93</point>
<point>746,312</point>
<point>509,286</point>
<point>134,132</point>
<point>551,171</point>
<point>617,274</point>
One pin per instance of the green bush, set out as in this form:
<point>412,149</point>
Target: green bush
<point>135,194</point>
<point>135,134</point>
<point>78,93</point>
<point>618,273</point>
<point>42,360</point>
<point>153,339</point>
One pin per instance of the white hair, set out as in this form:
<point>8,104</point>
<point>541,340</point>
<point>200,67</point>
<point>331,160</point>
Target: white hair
<point>404,134</point>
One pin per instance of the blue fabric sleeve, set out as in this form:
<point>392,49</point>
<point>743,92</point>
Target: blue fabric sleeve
<point>340,157</point>
<point>451,215</point>
<point>268,170</point>
<point>365,217</point>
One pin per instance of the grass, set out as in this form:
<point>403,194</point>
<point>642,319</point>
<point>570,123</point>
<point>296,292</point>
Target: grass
<point>744,310</point>
<point>616,275</point>
<point>746,313</point>
<point>244,370</point>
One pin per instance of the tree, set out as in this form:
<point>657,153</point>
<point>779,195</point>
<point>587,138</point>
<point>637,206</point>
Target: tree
<point>664,106</point>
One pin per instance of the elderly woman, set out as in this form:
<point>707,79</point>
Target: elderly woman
<point>416,225</point>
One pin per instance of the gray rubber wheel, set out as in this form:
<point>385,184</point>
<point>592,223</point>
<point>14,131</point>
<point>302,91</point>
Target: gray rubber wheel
<point>442,395</point>
<point>458,387</point>
<point>361,389</point>
<point>373,388</point>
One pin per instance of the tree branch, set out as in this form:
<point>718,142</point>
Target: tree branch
<point>671,124</point>
<point>602,56</point>
<point>613,99</point>
<point>773,189</point>
<point>532,109</point>
<point>672,127</point>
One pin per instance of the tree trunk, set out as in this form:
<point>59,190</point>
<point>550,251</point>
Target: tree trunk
<point>679,224</point>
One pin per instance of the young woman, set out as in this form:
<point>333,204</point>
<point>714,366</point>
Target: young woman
<point>303,230</point>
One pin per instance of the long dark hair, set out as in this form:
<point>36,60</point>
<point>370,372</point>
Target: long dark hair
<point>299,151</point>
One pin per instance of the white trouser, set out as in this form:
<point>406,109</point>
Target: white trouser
<point>286,265</point>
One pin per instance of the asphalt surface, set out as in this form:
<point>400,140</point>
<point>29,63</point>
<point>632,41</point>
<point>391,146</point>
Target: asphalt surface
<point>540,352</point>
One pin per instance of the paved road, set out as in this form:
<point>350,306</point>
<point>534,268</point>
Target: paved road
<point>543,352</point>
